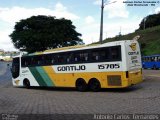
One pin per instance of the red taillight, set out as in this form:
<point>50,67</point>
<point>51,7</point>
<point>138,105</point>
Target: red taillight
<point>127,74</point>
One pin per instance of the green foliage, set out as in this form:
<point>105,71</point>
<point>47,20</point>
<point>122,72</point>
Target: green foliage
<point>150,21</point>
<point>152,48</point>
<point>39,33</point>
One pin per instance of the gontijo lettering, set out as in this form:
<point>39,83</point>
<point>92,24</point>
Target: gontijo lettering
<point>71,68</point>
<point>133,53</point>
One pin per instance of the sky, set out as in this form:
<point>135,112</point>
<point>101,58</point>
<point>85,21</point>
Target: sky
<point>85,15</point>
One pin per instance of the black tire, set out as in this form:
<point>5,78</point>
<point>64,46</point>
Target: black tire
<point>94,85</point>
<point>81,85</point>
<point>26,83</point>
<point>154,67</point>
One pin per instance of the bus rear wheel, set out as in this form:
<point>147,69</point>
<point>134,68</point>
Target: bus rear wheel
<point>26,83</point>
<point>81,85</point>
<point>94,85</point>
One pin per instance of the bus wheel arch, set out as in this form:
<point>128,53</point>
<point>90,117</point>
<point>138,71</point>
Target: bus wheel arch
<point>81,85</point>
<point>26,83</point>
<point>94,85</point>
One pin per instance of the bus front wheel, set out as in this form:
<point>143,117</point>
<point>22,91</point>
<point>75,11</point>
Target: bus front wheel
<point>81,85</point>
<point>94,85</point>
<point>144,67</point>
<point>26,83</point>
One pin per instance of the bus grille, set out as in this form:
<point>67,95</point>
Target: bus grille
<point>114,80</point>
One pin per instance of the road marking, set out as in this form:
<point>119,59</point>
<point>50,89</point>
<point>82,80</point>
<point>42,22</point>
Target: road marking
<point>153,75</point>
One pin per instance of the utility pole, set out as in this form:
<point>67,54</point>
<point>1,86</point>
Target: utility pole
<point>144,24</point>
<point>120,31</point>
<point>101,22</point>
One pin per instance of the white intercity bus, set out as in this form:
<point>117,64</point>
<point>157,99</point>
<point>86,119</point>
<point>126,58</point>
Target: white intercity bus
<point>110,65</point>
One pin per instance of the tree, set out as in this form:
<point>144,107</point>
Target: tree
<point>150,21</point>
<point>39,33</point>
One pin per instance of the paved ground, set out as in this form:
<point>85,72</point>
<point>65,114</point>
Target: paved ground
<point>142,98</point>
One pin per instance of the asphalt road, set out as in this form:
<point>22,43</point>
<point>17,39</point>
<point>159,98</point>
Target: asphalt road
<point>5,74</point>
<point>143,98</point>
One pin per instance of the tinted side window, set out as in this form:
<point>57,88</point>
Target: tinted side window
<point>26,61</point>
<point>102,54</point>
<point>48,59</point>
<point>32,61</point>
<point>69,57</point>
<point>143,59</point>
<point>116,53</point>
<point>60,58</point>
<point>95,55</point>
<point>40,60</point>
<point>149,59</point>
<point>81,56</point>
<point>106,54</point>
